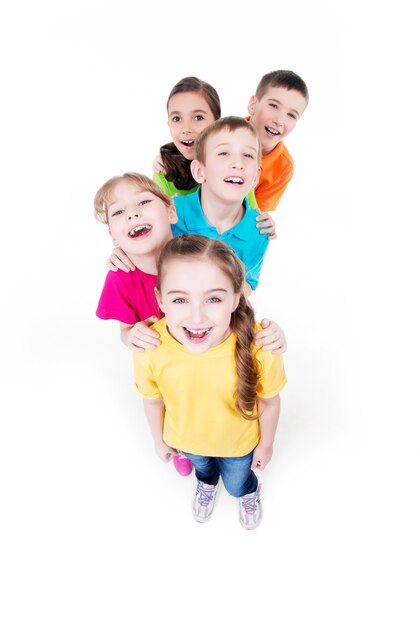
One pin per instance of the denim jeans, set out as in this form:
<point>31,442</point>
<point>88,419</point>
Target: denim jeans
<point>236,472</point>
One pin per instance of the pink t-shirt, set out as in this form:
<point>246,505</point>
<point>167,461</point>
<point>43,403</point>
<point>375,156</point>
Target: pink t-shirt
<point>128,297</point>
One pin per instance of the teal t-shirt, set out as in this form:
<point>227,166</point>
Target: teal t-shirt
<point>171,190</point>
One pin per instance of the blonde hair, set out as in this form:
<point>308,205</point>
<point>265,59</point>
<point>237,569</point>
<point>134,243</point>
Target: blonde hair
<point>231,123</point>
<point>242,319</point>
<point>104,196</point>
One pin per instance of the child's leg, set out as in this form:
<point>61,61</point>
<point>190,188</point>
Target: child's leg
<point>206,468</point>
<point>237,475</point>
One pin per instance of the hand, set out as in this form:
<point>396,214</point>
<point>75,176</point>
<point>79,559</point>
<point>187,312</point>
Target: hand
<point>157,165</point>
<point>261,456</point>
<point>118,260</point>
<point>141,337</point>
<point>271,337</point>
<point>266,223</point>
<point>164,451</point>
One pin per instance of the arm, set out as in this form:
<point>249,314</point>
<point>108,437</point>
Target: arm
<point>269,409</point>
<point>119,260</point>
<point>157,165</point>
<point>154,411</point>
<point>271,337</point>
<point>139,337</point>
<point>268,195</point>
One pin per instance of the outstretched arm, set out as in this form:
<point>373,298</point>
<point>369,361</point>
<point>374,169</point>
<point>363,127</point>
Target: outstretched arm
<point>269,409</point>
<point>154,411</point>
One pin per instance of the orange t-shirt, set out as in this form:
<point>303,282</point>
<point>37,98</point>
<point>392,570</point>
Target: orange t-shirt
<point>276,171</point>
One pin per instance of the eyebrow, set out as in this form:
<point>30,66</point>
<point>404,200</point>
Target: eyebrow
<point>248,147</point>
<point>280,102</point>
<point>194,111</point>
<point>137,193</point>
<point>187,293</point>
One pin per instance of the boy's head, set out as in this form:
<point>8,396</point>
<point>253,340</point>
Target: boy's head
<point>137,212</point>
<point>228,155</point>
<point>279,101</point>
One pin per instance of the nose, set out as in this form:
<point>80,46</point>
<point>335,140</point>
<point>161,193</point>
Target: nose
<point>133,213</point>
<point>197,316</point>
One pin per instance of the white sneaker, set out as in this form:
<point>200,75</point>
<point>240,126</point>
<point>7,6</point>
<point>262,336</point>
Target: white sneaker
<point>204,501</point>
<point>250,510</point>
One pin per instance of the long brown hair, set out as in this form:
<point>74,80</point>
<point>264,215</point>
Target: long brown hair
<point>242,319</point>
<point>176,166</point>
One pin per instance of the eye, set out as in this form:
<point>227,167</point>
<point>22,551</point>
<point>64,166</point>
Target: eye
<point>214,299</point>
<point>144,202</point>
<point>223,153</point>
<point>249,156</point>
<point>274,105</point>
<point>118,212</point>
<point>179,300</point>
<point>175,118</point>
<point>292,115</point>
<point>199,118</point>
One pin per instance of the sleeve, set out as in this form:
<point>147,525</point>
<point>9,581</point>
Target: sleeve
<point>115,302</point>
<point>268,195</point>
<point>251,199</point>
<point>145,381</point>
<point>160,179</point>
<point>272,374</point>
<point>254,267</point>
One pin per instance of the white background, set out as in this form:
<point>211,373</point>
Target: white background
<point>95,529</point>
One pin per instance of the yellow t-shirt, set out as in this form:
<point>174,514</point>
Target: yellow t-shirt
<point>198,393</point>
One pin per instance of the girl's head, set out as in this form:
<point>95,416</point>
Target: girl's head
<point>137,212</point>
<point>200,290</point>
<point>191,106</point>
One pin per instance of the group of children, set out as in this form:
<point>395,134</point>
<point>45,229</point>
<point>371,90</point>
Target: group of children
<point>190,244</point>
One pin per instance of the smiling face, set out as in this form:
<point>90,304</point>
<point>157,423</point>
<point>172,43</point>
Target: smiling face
<point>139,222</point>
<point>275,115</point>
<point>198,300</point>
<point>188,114</point>
<point>231,165</point>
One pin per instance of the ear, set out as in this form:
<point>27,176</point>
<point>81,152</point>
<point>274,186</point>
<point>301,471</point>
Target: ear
<point>251,105</point>
<point>257,177</point>
<point>158,298</point>
<point>172,215</point>
<point>237,298</point>
<point>115,243</point>
<point>198,171</point>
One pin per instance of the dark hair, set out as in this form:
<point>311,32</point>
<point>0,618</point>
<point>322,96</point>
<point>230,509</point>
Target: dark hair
<point>176,166</point>
<point>242,319</point>
<point>231,123</point>
<point>282,78</point>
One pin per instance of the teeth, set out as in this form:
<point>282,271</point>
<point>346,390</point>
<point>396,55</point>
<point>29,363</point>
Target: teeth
<point>137,229</point>
<point>197,332</point>
<point>234,179</point>
<point>188,141</point>
<point>272,131</point>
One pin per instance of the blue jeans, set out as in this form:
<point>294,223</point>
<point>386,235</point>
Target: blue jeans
<point>236,472</point>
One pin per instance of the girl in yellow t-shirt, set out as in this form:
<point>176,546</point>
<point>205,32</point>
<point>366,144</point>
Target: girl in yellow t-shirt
<point>208,390</point>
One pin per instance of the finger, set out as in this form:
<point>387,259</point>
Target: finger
<point>279,350</point>
<point>110,265</point>
<point>145,345</point>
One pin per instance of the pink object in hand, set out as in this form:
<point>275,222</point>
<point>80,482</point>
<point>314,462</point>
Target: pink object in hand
<point>182,464</point>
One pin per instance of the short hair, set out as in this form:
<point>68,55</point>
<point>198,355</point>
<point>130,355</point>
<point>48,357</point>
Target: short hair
<point>231,123</point>
<point>103,197</point>
<point>282,78</point>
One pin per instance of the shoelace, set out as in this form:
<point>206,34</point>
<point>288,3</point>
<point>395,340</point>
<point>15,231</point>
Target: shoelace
<point>205,494</point>
<point>250,504</point>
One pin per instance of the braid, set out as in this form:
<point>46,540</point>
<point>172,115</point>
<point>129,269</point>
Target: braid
<point>242,323</point>
<point>177,167</point>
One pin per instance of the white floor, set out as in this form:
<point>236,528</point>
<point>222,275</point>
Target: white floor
<point>97,530</point>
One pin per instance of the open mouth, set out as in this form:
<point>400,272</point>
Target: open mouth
<point>196,335</point>
<point>189,143</point>
<point>236,180</point>
<point>272,131</point>
<point>140,231</point>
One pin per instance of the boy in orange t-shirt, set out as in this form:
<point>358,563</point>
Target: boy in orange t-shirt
<point>280,99</point>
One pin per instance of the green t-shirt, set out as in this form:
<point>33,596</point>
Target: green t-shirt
<point>171,190</point>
